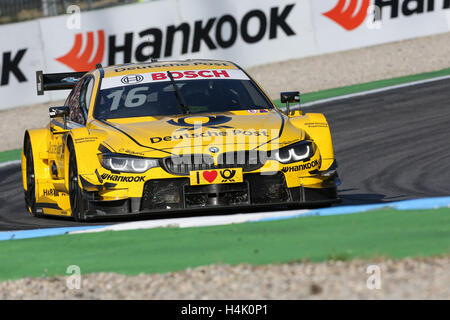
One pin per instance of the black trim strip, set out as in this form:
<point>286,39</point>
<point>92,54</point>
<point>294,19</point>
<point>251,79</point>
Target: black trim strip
<point>100,179</point>
<point>333,166</point>
<point>87,185</point>
<point>103,149</point>
<point>111,148</point>
<point>109,185</point>
<point>48,205</point>
<point>273,206</point>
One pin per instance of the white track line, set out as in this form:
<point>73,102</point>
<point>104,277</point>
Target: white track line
<point>9,163</point>
<point>365,93</point>
<point>196,221</point>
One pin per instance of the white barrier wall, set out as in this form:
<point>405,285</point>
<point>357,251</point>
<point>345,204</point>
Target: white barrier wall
<point>397,20</point>
<point>247,32</point>
<point>20,55</point>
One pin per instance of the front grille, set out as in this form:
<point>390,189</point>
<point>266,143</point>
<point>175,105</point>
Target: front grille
<point>268,188</point>
<point>247,160</point>
<point>167,194</point>
<point>216,195</point>
<point>163,194</point>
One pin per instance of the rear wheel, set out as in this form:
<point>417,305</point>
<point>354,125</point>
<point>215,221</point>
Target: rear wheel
<point>77,203</point>
<point>30,192</point>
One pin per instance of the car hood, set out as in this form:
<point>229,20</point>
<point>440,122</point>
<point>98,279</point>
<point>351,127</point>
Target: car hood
<point>240,129</point>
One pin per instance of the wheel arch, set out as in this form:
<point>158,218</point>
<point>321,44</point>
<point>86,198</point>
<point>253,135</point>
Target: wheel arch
<point>67,146</point>
<point>39,147</point>
<point>85,152</point>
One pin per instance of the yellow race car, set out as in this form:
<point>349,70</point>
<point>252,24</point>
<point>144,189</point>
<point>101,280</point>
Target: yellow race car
<point>173,136</point>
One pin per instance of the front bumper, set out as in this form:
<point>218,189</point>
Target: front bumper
<point>176,195</point>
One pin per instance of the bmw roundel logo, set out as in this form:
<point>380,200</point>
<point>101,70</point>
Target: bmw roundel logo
<point>214,149</point>
<point>134,78</point>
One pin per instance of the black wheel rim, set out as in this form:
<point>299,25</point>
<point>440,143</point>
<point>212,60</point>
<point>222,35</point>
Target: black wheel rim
<point>73,187</point>
<point>31,179</point>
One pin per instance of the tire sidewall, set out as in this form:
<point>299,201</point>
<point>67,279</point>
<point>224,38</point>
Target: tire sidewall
<point>77,203</point>
<point>30,193</point>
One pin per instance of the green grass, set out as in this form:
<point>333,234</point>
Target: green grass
<point>382,233</point>
<point>10,155</point>
<point>314,96</point>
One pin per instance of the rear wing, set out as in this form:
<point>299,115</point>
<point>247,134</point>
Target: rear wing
<point>56,81</point>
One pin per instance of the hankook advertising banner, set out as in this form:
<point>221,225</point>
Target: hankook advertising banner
<point>248,33</point>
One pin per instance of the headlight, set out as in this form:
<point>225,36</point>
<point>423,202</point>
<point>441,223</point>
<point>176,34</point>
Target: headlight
<point>124,163</point>
<point>296,152</point>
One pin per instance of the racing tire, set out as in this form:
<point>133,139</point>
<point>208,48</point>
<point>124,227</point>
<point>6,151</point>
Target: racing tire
<point>30,192</point>
<point>77,202</point>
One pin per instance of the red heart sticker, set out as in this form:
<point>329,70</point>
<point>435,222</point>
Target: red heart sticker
<point>210,176</point>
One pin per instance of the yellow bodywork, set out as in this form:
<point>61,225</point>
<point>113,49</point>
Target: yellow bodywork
<point>154,137</point>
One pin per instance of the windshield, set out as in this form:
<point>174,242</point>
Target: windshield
<point>158,98</point>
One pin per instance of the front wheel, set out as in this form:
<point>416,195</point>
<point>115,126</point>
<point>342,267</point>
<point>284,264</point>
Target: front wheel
<point>77,202</point>
<point>30,192</point>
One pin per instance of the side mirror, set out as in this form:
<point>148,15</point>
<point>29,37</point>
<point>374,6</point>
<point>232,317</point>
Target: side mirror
<point>291,97</point>
<point>56,112</point>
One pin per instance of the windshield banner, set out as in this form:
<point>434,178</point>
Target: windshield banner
<point>133,79</point>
